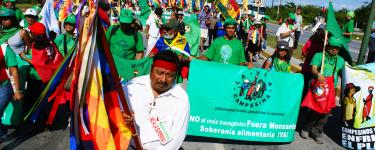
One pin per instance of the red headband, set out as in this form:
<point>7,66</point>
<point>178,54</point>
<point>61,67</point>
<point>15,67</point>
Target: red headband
<point>165,65</point>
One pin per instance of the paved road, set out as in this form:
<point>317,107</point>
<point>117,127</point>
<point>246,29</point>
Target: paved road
<point>21,139</point>
<point>354,45</point>
<point>59,140</point>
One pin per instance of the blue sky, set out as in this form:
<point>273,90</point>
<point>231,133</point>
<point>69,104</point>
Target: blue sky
<point>337,4</point>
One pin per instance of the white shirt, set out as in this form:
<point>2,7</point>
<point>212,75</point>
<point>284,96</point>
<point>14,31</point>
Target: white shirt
<point>153,30</point>
<point>283,29</point>
<point>298,22</point>
<point>172,107</point>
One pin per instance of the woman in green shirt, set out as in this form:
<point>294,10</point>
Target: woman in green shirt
<point>348,28</point>
<point>65,41</point>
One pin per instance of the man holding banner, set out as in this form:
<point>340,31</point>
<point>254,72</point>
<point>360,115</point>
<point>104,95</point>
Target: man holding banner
<point>161,107</point>
<point>226,49</point>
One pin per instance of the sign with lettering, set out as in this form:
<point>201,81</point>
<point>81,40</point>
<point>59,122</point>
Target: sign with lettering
<point>358,119</point>
<point>234,102</point>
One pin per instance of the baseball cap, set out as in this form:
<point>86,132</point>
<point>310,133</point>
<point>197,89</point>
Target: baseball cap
<point>5,12</point>
<point>230,21</point>
<point>292,16</point>
<point>70,19</point>
<point>335,41</point>
<point>37,28</point>
<point>282,45</point>
<point>126,16</point>
<point>30,12</point>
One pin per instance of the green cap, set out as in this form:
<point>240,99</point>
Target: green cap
<point>70,19</point>
<point>351,14</point>
<point>266,17</point>
<point>172,24</point>
<point>230,21</point>
<point>335,41</point>
<point>126,16</point>
<point>292,16</point>
<point>5,12</point>
<point>10,1</point>
<point>37,9</point>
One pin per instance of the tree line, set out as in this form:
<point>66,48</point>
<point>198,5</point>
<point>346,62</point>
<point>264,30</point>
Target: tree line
<point>309,12</point>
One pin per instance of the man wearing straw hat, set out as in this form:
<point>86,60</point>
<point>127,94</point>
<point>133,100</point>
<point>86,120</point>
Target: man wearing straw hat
<point>332,65</point>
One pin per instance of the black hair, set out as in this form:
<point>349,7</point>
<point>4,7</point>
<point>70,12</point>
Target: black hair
<point>318,35</point>
<point>159,11</point>
<point>169,56</point>
<point>276,53</point>
<point>31,16</point>
<point>41,41</point>
<point>105,6</point>
<point>15,22</point>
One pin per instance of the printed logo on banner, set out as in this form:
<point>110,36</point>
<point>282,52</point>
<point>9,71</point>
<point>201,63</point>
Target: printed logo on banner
<point>252,91</point>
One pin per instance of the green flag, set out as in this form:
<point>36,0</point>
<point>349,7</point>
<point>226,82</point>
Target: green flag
<point>234,102</point>
<point>192,33</point>
<point>144,13</point>
<point>128,69</point>
<point>334,28</point>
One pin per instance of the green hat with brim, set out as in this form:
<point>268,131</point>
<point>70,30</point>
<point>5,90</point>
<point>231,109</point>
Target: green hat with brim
<point>70,19</point>
<point>5,12</point>
<point>292,16</point>
<point>351,14</point>
<point>266,17</point>
<point>230,21</point>
<point>126,16</point>
<point>10,1</point>
<point>335,41</point>
<point>172,24</point>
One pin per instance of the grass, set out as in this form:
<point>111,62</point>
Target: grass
<point>271,41</point>
<point>24,6</point>
<point>357,37</point>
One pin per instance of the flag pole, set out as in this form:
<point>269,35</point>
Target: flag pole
<point>324,50</point>
<point>118,87</point>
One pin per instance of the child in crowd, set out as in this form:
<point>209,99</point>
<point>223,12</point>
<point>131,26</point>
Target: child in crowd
<point>280,60</point>
<point>254,41</point>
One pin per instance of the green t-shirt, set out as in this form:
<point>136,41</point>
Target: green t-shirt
<point>348,27</point>
<point>226,51</point>
<point>10,61</point>
<point>124,45</point>
<point>59,41</point>
<point>329,64</point>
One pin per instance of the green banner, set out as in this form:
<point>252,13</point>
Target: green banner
<point>234,102</point>
<point>128,69</point>
<point>144,13</point>
<point>193,33</point>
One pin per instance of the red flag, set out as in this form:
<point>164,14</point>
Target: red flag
<point>46,61</point>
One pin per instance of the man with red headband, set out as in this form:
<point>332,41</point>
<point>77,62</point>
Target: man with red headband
<point>161,107</point>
